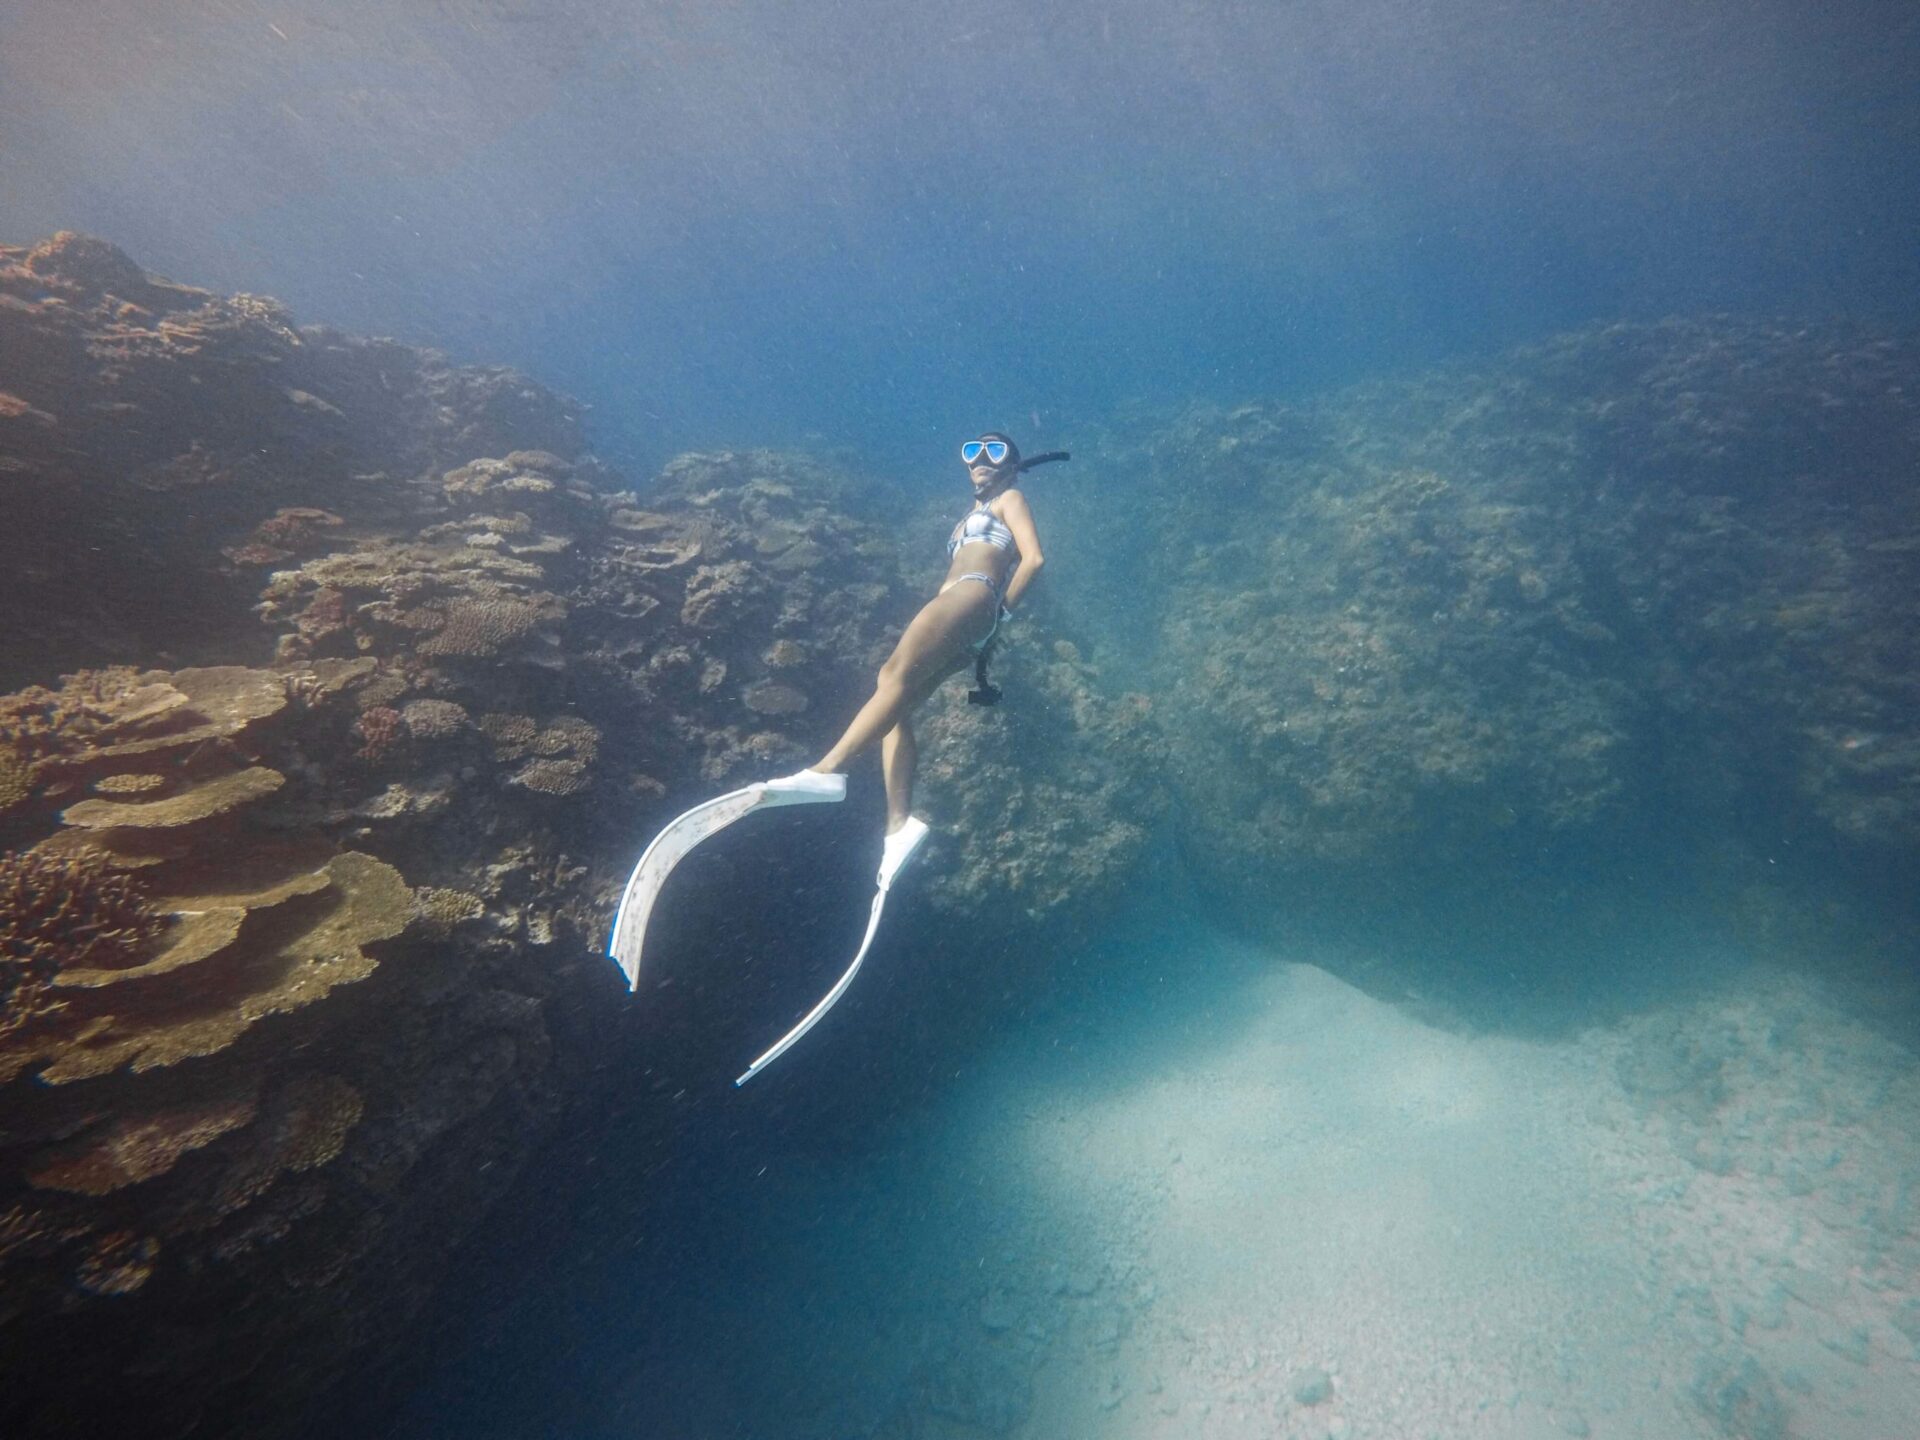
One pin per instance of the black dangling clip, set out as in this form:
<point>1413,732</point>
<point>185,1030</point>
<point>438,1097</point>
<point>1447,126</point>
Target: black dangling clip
<point>985,692</point>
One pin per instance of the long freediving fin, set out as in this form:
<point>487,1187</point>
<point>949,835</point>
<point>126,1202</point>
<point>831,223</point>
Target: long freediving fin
<point>672,844</point>
<point>897,850</point>
<point>833,995</point>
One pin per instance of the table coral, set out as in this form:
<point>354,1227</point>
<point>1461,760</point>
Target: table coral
<point>188,806</point>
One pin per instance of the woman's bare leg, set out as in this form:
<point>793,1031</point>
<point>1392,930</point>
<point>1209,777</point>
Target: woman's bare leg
<point>933,645</point>
<point>898,754</point>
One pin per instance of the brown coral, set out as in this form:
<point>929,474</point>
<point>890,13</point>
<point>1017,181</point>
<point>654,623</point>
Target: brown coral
<point>304,1127</point>
<point>135,784</point>
<point>552,777</point>
<point>484,627</point>
<point>434,719</point>
<point>188,807</point>
<point>149,1022</point>
<point>59,911</point>
<point>379,728</point>
<point>512,736</point>
<point>439,911</point>
<point>16,778</point>
<point>132,1148</point>
<point>36,722</point>
<point>769,697</point>
<point>118,1263</point>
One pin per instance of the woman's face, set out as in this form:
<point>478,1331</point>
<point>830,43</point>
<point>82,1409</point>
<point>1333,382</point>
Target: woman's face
<point>982,472</point>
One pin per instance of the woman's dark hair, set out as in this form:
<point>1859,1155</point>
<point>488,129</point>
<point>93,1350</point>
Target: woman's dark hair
<point>1013,450</point>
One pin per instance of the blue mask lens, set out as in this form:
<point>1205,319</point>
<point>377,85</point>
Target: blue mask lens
<point>996,451</point>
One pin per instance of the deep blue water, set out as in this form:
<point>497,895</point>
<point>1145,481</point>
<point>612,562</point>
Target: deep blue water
<point>876,225</point>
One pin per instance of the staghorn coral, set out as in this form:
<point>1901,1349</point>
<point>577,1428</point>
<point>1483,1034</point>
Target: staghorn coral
<point>64,911</point>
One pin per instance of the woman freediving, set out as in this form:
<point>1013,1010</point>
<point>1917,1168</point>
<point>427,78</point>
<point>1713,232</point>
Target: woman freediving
<point>993,556</point>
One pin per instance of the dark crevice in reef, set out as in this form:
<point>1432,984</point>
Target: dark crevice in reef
<point>345,684</point>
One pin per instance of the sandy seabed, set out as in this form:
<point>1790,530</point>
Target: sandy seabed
<point>1295,1211</point>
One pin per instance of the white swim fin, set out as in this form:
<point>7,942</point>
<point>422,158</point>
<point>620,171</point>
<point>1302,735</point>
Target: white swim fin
<point>897,849</point>
<point>672,844</point>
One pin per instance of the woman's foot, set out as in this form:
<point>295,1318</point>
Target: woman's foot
<point>898,848</point>
<point>807,785</point>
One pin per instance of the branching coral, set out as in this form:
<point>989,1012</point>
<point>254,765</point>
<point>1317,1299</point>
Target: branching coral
<point>16,778</point>
<point>379,728</point>
<point>64,911</point>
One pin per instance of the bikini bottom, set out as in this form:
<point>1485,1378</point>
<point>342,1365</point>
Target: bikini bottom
<point>999,606</point>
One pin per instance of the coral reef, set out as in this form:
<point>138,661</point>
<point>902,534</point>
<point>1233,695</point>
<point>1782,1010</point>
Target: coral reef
<point>1637,569</point>
<point>126,391</point>
<point>1042,807</point>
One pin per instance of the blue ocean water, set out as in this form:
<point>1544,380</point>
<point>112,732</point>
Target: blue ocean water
<point>1187,1181</point>
<point>873,225</point>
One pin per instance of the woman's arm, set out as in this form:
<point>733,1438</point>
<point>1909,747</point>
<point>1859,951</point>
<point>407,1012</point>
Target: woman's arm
<point>1019,519</point>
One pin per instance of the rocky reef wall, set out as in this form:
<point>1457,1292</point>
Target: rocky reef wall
<point>1641,577</point>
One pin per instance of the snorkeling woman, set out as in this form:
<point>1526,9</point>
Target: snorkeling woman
<point>993,555</point>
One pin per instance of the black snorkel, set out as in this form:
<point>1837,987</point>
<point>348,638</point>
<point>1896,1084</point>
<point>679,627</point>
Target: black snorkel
<point>984,691</point>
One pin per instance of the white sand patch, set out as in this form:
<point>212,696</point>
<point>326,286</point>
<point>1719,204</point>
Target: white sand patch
<point>1261,1205</point>
<point>1334,1220</point>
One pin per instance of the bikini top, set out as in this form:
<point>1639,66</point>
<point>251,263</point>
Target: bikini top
<point>980,523</point>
